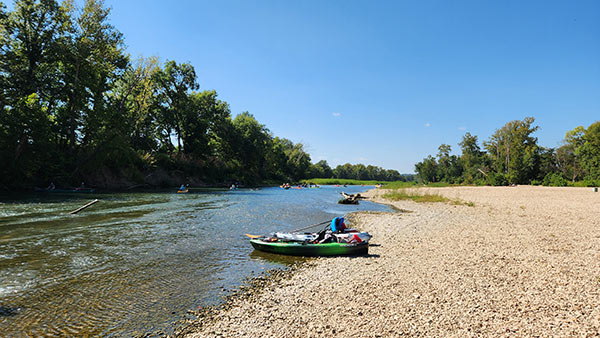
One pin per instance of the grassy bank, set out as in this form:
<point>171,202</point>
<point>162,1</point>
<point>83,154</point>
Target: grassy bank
<point>340,181</point>
<point>385,184</point>
<point>402,194</point>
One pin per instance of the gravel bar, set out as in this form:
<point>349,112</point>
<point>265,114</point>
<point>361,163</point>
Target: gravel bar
<point>522,261</point>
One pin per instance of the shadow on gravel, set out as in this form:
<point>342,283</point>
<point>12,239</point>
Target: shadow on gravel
<point>365,256</point>
<point>6,311</point>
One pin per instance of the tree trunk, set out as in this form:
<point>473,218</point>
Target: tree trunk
<point>73,122</point>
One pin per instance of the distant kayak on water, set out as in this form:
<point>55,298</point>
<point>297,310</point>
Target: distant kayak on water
<point>74,190</point>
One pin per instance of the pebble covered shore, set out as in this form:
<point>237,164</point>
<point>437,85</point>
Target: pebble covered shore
<point>522,261</point>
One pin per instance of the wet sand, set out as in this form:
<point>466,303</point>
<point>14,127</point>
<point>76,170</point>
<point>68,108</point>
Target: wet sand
<point>521,261</point>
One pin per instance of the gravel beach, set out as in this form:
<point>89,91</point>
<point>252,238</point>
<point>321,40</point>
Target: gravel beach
<point>522,261</point>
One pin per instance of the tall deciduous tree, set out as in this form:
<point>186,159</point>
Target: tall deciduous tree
<point>173,85</point>
<point>427,170</point>
<point>132,98</point>
<point>29,58</point>
<point>589,151</point>
<point>472,158</point>
<point>251,145</point>
<point>514,151</point>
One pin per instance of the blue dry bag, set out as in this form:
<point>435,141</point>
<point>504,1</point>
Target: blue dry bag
<point>336,224</point>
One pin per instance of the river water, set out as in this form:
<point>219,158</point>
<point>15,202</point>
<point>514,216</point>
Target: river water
<point>136,262</point>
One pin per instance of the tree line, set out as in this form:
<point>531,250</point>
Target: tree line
<point>75,106</point>
<point>512,156</point>
<point>322,169</point>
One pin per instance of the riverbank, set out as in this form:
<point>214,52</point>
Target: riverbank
<point>520,261</point>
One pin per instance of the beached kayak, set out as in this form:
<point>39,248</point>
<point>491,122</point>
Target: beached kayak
<point>302,249</point>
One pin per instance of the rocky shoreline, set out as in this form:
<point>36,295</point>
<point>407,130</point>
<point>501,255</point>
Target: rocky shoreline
<point>521,261</point>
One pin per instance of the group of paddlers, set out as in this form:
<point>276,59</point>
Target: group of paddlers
<point>299,186</point>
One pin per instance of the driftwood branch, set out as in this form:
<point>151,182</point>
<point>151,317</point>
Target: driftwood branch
<point>83,207</point>
<point>350,198</point>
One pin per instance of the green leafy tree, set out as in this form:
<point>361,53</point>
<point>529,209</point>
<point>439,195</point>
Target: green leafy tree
<point>173,87</point>
<point>514,151</point>
<point>589,151</point>
<point>449,166</point>
<point>30,40</point>
<point>321,169</point>
<point>93,59</point>
<point>473,159</point>
<point>567,158</point>
<point>133,100</point>
<point>546,163</point>
<point>427,170</point>
<point>251,145</point>
<point>202,122</point>
<point>24,138</point>
<point>298,161</point>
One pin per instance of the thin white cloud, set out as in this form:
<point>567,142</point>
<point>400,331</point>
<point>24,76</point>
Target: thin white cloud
<point>462,128</point>
<point>427,125</point>
<point>336,114</point>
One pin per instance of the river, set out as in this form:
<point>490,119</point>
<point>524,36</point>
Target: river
<point>136,262</point>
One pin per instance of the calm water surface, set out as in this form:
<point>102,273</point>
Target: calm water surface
<point>135,263</point>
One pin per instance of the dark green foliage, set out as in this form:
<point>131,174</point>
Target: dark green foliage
<point>497,179</point>
<point>73,107</point>
<point>513,157</point>
<point>514,151</point>
<point>589,151</point>
<point>362,172</point>
<point>554,180</point>
<point>427,171</point>
<point>473,159</point>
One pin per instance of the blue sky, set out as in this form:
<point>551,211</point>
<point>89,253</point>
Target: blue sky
<point>383,82</point>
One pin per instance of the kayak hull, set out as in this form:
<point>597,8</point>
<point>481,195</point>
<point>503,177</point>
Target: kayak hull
<point>301,249</point>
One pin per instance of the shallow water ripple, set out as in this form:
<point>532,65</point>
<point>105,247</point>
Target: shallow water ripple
<point>135,263</point>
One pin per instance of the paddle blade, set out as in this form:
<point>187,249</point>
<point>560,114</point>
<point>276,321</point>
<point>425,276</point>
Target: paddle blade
<point>253,236</point>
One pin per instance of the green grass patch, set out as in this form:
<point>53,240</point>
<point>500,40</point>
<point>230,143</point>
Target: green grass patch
<point>414,184</point>
<point>341,181</point>
<point>401,194</point>
<point>399,185</point>
<point>385,184</point>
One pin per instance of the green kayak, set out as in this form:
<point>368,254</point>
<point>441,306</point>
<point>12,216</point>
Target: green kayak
<point>301,249</point>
